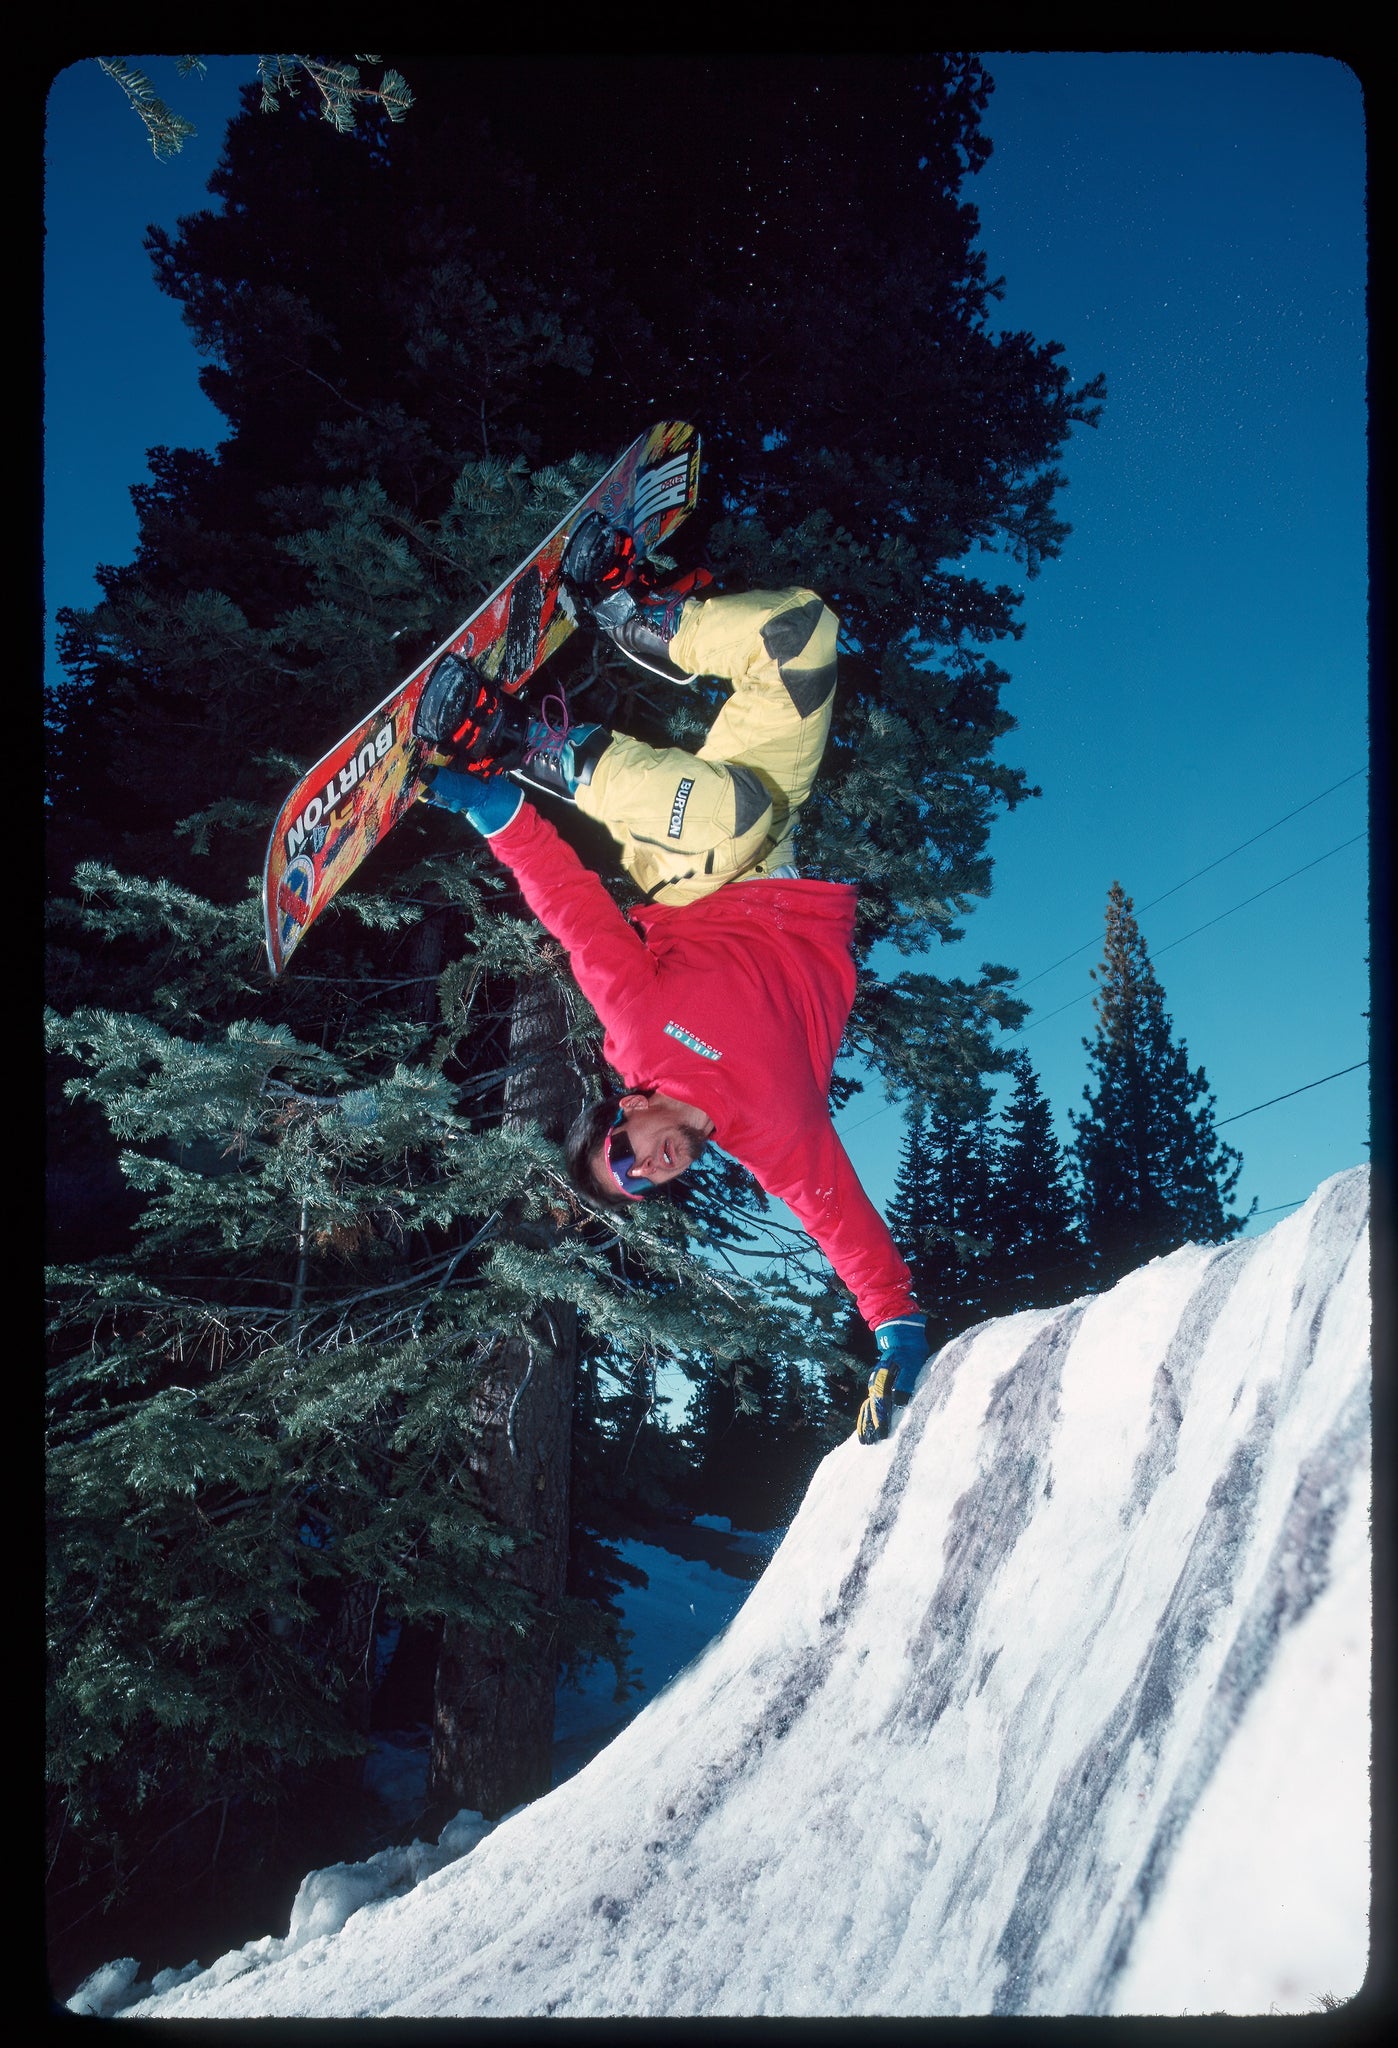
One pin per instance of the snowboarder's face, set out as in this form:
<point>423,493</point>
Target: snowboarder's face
<point>664,1137</point>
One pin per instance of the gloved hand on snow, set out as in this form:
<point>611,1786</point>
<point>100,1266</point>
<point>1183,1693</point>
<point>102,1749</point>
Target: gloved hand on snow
<point>488,802</point>
<point>902,1351</point>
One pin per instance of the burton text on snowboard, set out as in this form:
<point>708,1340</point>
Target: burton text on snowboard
<point>344,805</point>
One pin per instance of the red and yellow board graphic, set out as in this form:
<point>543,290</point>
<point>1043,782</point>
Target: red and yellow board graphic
<point>362,787</point>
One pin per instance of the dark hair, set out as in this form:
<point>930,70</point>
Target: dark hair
<point>585,1134</point>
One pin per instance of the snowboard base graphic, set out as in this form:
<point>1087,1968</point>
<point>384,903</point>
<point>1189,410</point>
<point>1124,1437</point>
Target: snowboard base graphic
<point>345,804</point>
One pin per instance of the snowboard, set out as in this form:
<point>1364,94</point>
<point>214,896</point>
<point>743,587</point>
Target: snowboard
<point>344,805</point>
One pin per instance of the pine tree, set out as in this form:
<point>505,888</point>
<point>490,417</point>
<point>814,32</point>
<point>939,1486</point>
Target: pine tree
<point>312,1402</point>
<point>942,1213</point>
<point>758,1431</point>
<point>912,1211</point>
<point>1038,1258</point>
<point>1152,1170</point>
<point>288,1404</point>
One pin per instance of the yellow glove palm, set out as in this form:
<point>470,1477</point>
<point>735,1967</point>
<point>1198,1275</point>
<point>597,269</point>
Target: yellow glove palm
<point>877,1410</point>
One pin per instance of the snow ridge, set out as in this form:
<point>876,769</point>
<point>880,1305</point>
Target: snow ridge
<point>1055,1704</point>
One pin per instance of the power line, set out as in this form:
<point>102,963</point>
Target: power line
<point>1236,1117</point>
<point>1156,952</point>
<point>1260,893</point>
<point>1288,1095</point>
<point>1351,777</point>
<point>849,1129</point>
<point>1208,869</point>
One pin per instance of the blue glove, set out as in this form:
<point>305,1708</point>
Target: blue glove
<point>489,802</point>
<point>902,1351</point>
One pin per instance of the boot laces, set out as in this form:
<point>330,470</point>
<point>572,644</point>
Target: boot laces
<point>548,738</point>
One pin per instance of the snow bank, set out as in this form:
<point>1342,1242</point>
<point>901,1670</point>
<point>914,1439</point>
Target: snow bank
<point>1055,1704</point>
<point>324,1901</point>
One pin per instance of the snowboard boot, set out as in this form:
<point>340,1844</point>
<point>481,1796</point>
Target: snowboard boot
<point>559,758</point>
<point>602,576</point>
<point>463,714</point>
<point>642,624</point>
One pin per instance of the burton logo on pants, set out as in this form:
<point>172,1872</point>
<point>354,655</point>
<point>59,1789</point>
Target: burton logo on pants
<point>677,808</point>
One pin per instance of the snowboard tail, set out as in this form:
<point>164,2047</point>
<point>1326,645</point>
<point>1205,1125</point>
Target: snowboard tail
<point>344,806</point>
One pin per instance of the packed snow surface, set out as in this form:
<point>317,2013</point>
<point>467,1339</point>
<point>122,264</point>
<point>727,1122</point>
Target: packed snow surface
<point>1056,1703</point>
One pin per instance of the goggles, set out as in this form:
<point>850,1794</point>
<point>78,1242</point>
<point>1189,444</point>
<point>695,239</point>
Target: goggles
<point>618,1151</point>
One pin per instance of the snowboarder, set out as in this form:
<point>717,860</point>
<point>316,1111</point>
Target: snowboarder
<point>723,1005</point>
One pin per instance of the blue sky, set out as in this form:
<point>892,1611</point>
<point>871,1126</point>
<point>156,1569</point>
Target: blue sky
<point>1193,669</point>
<point>1195,665</point>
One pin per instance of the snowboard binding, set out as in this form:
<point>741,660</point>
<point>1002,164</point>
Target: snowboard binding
<point>598,560</point>
<point>461,713</point>
<point>464,714</point>
<point>603,578</point>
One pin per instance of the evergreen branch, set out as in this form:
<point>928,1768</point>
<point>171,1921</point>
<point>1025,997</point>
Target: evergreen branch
<point>338,85</point>
<point>165,1294</point>
<point>345,1303</point>
<point>228,812</point>
<point>335,391</point>
<point>167,131</point>
<point>432,552</point>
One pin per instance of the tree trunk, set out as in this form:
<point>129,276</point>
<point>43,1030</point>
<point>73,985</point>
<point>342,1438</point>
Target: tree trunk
<point>492,1737</point>
<point>492,1740</point>
<point>426,957</point>
<point>543,1086</point>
